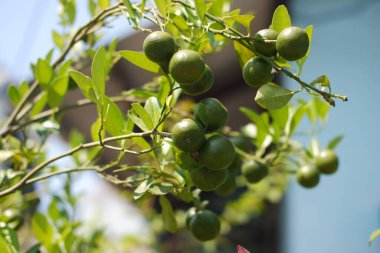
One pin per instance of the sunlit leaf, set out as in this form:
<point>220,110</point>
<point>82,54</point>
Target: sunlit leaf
<point>168,218</point>
<point>42,229</point>
<point>84,83</point>
<point>200,6</point>
<point>373,236</point>
<point>43,73</point>
<point>281,19</point>
<point>139,59</point>
<point>57,91</point>
<point>98,70</point>
<point>300,62</point>
<point>272,96</point>
<point>114,119</point>
<point>40,104</point>
<point>334,142</point>
<point>13,95</point>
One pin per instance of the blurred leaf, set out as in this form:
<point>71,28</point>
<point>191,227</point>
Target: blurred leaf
<point>160,188</point>
<point>42,229</point>
<point>168,218</point>
<point>296,118</point>
<point>13,94</point>
<point>104,3</point>
<point>57,91</point>
<point>84,83</point>
<point>153,107</point>
<point>4,246</point>
<point>300,62</point>
<point>243,53</point>
<point>323,80</point>
<point>373,236</point>
<point>244,20</point>
<point>281,19</point>
<point>43,73</point>
<point>114,122</point>
<point>262,129</point>
<point>271,96</point>
<point>6,154</point>
<point>144,122</point>
<point>23,88</point>
<point>40,104</point>
<point>139,59</point>
<point>98,72</point>
<point>58,40</point>
<point>34,249</point>
<point>280,116</point>
<point>162,6</point>
<point>334,142</point>
<point>200,6</point>
<point>142,188</point>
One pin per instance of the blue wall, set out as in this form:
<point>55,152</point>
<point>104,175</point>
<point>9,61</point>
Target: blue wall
<point>339,215</point>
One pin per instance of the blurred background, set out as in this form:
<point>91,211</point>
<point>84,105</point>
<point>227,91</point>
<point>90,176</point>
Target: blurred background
<point>337,216</point>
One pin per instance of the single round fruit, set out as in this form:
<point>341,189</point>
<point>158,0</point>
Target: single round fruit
<point>187,67</point>
<point>292,43</point>
<point>208,180</point>
<point>217,153</point>
<point>308,176</point>
<point>200,87</point>
<point>205,225</point>
<point>327,162</point>
<point>228,186</point>
<point>266,48</point>
<point>189,214</point>
<point>211,114</point>
<point>235,166</point>
<point>187,135</point>
<point>253,171</point>
<point>257,72</point>
<point>159,46</point>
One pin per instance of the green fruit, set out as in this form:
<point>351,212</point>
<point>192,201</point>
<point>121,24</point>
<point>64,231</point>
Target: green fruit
<point>187,67</point>
<point>228,186</point>
<point>253,171</point>
<point>292,43</point>
<point>187,135</point>
<point>308,176</point>
<point>201,86</point>
<point>235,166</point>
<point>266,48</point>
<point>327,162</point>
<point>189,215</point>
<point>208,180</point>
<point>186,161</point>
<point>211,114</point>
<point>240,142</point>
<point>257,72</point>
<point>159,47</point>
<point>205,225</point>
<point>217,153</point>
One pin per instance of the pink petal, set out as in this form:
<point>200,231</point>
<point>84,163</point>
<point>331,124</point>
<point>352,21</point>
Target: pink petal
<point>241,249</point>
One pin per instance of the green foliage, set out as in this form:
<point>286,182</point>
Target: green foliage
<point>162,171</point>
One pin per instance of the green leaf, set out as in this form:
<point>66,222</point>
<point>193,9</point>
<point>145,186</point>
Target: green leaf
<point>40,104</point>
<point>34,249</point>
<point>145,122</point>
<point>244,20</point>
<point>95,130</point>
<point>98,70</point>
<point>6,154</point>
<point>104,3</point>
<point>243,53</point>
<point>142,188</point>
<point>280,116</point>
<point>334,142</point>
<point>296,118</point>
<point>4,246</point>
<point>373,236</point>
<point>43,73</point>
<point>131,11</point>
<point>42,229</point>
<point>281,19</point>
<point>14,95</point>
<point>162,6</point>
<point>300,62</point>
<point>153,107</point>
<point>272,96</point>
<point>168,218</point>
<point>323,80</point>
<point>160,188</point>
<point>200,6</point>
<point>114,121</point>
<point>139,59</point>
<point>57,91</point>
<point>23,88</point>
<point>262,129</point>
<point>58,40</point>
<point>84,83</point>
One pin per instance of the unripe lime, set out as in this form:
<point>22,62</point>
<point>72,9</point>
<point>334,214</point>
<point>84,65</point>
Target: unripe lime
<point>240,142</point>
<point>257,72</point>
<point>187,67</point>
<point>253,171</point>
<point>211,114</point>
<point>292,43</point>
<point>187,135</point>
<point>159,47</point>
<point>228,186</point>
<point>308,176</point>
<point>189,214</point>
<point>201,86</point>
<point>208,180</point>
<point>217,153</point>
<point>266,48</point>
<point>327,162</point>
<point>205,225</point>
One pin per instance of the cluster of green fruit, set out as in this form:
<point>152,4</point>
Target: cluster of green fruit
<point>186,67</point>
<point>291,44</point>
<point>325,163</point>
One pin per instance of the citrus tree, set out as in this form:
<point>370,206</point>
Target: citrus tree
<point>180,152</point>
